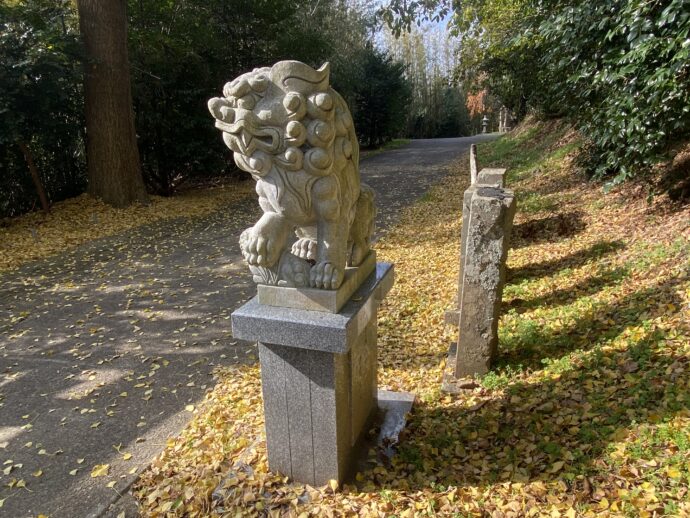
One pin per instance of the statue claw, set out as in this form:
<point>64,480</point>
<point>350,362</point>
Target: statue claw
<point>305,248</point>
<point>326,276</point>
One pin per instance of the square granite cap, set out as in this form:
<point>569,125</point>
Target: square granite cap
<point>315,330</point>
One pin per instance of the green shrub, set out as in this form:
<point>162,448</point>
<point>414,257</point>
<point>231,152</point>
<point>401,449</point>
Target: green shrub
<point>622,70</point>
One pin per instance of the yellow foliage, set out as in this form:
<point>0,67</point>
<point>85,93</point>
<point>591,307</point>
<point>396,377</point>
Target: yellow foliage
<point>585,415</point>
<point>78,220</point>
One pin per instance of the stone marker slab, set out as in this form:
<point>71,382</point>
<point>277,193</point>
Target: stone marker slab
<point>483,276</point>
<point>452,316</point>
<point>317,299</point>
<point>485,177</point>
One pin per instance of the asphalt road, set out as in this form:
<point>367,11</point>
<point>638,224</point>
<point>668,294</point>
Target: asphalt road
<point>402,175</point>
<point>103,347</point>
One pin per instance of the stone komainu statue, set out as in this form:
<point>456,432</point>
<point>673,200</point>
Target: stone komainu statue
<point>295,135</point>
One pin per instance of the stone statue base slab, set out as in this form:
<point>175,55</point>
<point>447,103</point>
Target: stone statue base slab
<point>331,301</point>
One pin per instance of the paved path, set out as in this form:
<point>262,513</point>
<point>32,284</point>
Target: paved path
<point>103,347</point>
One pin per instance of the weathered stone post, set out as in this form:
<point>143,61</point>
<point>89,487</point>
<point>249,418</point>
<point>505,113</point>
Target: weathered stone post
<point>486,177</point>
<point>319,286</point>
<point>483,276</point>
<point>473,163</point>
<point>487,218</point>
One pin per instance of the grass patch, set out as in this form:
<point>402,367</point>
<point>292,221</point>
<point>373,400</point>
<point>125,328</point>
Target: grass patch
<point>534,202</point>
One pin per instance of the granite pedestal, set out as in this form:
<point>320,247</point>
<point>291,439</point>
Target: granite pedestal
<point>319,379</point>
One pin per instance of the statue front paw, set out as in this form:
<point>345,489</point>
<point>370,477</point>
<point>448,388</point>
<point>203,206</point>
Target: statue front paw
<point>262,244</point>
<point>305,248</point>
<point>326,275</point>
<point>262,250</point>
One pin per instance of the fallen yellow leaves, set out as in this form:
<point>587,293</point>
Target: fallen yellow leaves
<point>100,470</point>
<point>75,221</point>
<point>586,413</point>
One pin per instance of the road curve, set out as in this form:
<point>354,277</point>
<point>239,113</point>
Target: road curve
<point>401,176</point>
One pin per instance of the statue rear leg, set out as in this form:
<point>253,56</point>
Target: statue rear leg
<point>362,229</point>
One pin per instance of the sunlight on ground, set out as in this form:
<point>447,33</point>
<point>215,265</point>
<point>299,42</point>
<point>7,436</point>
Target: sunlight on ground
<point>585,414</point>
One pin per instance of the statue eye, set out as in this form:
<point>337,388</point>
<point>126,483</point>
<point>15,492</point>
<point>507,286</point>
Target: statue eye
<point>247,102</point>
<point>259,83</point>
<point>237,88</point>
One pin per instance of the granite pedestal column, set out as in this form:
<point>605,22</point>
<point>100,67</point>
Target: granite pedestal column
<point>319,377</point>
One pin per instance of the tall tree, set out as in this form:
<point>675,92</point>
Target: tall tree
<point>112,156</point>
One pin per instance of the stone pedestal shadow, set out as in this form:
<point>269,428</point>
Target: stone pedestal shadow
<point>319,378</point>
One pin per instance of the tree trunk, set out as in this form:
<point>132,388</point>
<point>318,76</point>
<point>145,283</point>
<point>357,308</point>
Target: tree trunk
<point>112,156</point>
<point>45,205</point>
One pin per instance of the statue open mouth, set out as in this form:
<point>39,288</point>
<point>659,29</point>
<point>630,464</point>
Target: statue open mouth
<point>249,139</point>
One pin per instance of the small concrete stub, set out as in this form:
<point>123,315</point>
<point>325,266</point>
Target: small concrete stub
<point>394,407</point>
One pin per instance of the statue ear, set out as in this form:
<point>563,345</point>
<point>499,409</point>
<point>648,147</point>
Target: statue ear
<point>326,71</point>
<point>295,76</point>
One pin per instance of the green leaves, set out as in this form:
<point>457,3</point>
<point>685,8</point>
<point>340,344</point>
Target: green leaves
<point>623,79</point>
<point>620,69</point>
<point>40,103</point>
<point>381,97</point>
